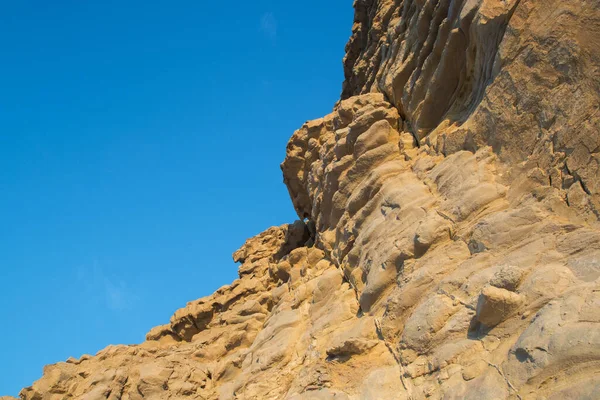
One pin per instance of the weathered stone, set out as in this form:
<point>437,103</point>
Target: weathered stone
<point>496,304</point>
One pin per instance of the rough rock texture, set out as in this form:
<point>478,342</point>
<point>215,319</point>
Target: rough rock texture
<point>450,247</point>
<point>520,76</point>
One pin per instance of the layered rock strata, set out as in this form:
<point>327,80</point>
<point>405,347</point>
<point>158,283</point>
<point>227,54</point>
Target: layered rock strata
<point>449,244</point>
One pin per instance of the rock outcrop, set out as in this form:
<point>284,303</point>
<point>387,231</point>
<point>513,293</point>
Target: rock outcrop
<point>448,243</point>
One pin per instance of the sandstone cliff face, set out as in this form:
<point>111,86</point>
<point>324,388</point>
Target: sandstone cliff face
<point>449,245</point>
<point>520,76</point>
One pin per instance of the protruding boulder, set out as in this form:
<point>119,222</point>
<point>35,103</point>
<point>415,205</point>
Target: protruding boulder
<point>496,304</point>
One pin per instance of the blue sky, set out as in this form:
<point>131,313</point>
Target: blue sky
<point>140,144</point>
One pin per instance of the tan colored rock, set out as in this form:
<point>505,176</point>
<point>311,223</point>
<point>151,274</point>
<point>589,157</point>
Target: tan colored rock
<point>449,245</point>
<point>495,305</point>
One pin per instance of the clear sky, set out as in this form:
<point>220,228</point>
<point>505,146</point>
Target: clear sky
<point>140,144</point>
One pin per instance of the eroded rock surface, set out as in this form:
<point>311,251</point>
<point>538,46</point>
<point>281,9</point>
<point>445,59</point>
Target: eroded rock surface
<point>449,244</point>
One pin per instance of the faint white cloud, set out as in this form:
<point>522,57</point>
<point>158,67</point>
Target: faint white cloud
<point>110,290</point>
<point>118,296</point>
<point>268,25</point>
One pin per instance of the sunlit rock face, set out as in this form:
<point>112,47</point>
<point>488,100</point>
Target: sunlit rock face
<point>519,76</point>
<point>448,245</point>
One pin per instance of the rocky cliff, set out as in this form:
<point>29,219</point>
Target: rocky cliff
<point>448,243</point>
